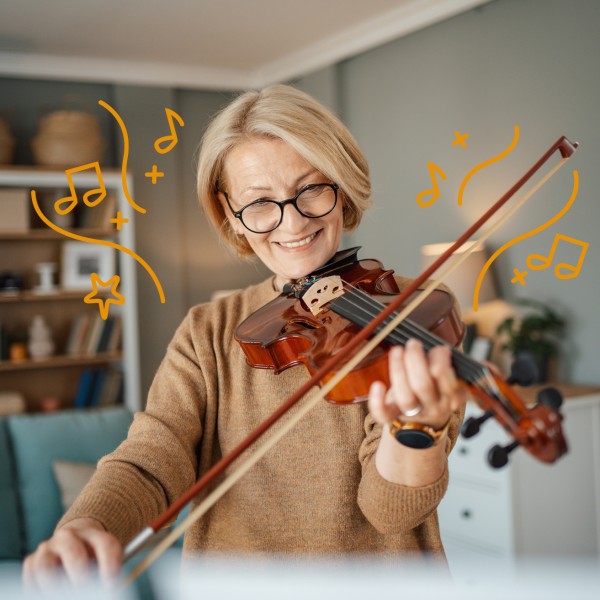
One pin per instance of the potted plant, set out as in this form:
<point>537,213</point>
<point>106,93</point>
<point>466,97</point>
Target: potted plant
<point>532,337</point>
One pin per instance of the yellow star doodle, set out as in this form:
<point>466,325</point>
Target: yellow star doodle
<point>103,303</point>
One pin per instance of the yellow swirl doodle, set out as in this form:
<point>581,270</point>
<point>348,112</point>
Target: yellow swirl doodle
<point>118,119</point>
<point>486,163</point>
<point>82,238</point>
<point>528,234</point>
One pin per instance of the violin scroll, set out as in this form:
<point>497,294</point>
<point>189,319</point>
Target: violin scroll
<point>535,428</point>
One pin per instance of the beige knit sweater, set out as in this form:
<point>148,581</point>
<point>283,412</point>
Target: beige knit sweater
<point>317,492</point>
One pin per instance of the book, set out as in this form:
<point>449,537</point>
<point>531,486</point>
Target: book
<point>95,331</point>
<point>3,343</point>
<point>105,334</point>
<point>84,387</point>
<point>114,341</point>
<point>78,331</point>
<point>113,385</point>
<point>98,384</point>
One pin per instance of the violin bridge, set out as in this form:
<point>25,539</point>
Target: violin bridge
<point>321,292</point>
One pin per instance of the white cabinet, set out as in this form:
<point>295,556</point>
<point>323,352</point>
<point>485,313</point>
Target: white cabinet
<point>528,508</point>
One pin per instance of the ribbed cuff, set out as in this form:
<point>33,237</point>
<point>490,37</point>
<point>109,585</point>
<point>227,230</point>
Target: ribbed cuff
<point>395,508</point>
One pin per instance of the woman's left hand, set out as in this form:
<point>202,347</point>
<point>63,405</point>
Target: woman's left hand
<point>423,389</point>
<point>423,385</point>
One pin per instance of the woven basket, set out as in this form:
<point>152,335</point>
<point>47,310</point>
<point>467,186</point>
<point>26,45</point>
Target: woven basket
<point>7,144</point>
<point>67,139</point>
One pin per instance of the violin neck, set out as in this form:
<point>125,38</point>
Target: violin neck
<point>361,308</point>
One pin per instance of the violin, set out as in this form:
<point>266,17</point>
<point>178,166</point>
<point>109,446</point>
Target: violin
<point>319,314</point>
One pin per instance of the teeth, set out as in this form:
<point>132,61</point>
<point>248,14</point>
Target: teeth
<point>303,242</point>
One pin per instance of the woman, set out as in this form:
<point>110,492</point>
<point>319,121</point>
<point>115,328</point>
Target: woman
<point>279,177</point>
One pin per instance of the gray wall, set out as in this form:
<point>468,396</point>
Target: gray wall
<point>531,63</point>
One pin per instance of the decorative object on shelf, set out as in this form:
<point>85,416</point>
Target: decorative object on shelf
<point>81,259</point>
<point>50,404</point>
<point>7,144</point>
<point>14,210</point>
<point>47,200</point>
<point>532,338</point>
<point>11,403</point>
<point>68,137</point>
<point>11,283</point>
<point>40,344</point>
<point>17,348</point>
<point>46,272</point>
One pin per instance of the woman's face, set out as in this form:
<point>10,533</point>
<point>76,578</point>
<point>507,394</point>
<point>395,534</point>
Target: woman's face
<point>264,168</point>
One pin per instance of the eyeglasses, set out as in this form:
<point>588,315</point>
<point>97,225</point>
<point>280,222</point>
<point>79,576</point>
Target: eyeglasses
<point>312,201</point>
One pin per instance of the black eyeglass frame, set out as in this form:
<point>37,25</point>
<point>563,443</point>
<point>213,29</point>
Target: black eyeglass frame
<point>282,204</point>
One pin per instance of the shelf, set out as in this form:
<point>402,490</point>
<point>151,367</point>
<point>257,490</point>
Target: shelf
<point>31,296</point>
<point>21,251</point>
<point>59,361</point>
<point>51,235</point>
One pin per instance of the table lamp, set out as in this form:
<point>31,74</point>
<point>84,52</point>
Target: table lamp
<point>463,280</point>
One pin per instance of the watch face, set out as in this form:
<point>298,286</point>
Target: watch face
<point>414,438</point>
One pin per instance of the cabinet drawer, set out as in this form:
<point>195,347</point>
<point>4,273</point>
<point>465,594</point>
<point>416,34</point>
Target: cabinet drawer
<point>478,515</point>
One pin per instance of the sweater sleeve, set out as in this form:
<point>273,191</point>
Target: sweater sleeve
<point>157,462</point>
<point>391,507</point>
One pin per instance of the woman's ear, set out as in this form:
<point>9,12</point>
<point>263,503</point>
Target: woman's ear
<point>234,223</point>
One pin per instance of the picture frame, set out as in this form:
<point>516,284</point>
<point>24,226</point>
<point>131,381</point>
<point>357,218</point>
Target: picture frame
<point>81,259</point>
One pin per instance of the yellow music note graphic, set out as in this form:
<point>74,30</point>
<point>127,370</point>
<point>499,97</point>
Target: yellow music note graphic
<point>433,192</point>
<point>172,138</point>
<point>537,262</point>
<point>71,200</point>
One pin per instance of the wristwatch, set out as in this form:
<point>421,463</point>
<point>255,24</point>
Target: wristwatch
<point>417,435</point>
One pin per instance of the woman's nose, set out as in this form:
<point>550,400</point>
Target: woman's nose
<point>292,220</point>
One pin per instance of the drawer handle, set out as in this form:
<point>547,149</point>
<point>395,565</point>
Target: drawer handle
<point>466,514</point>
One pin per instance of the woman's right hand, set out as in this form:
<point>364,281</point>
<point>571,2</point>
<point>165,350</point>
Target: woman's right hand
<point>77,549</point>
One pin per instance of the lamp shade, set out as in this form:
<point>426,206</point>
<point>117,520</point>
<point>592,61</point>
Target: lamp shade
<point>463,280</point>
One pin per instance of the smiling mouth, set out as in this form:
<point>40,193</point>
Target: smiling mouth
<point>304,242</point>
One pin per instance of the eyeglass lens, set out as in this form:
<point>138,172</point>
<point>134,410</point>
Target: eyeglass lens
<point>315,201</point>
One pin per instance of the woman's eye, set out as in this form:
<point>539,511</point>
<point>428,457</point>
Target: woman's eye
<point>259,205</point>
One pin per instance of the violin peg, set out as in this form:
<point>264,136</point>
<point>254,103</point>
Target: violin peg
<point>523,372</point>
<point>472,425</point>
<point>551,398</point>
<point>498,455</point>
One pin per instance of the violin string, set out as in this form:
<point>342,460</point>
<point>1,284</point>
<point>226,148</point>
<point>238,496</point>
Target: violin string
<point>470,370</point>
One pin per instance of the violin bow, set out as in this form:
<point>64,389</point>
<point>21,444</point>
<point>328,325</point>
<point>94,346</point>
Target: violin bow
<point>566,149</point>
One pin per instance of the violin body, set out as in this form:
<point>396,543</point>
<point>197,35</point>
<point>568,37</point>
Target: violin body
<point>285,332</point>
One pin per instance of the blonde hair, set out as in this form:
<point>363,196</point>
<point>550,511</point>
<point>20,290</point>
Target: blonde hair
<point>282,112</point>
